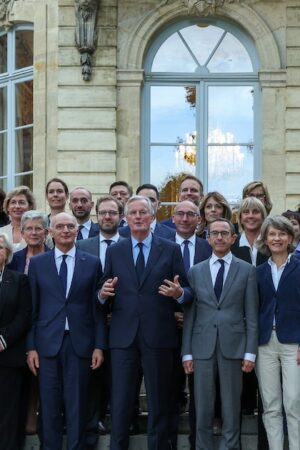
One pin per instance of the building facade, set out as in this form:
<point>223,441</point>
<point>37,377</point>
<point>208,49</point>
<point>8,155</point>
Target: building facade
<point>144,90</point>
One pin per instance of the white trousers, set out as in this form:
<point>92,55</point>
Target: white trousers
<point>276,360</point>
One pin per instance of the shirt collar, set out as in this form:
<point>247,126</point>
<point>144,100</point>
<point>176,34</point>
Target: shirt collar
<point>86,224</point>
<point>147,241</point>
<point>179,239</point>
<point>58,253</point>
<point>114,238</point>
<point>153,225</point>
<point>272,264</point>
<point>244,241</point>
<point>227,258</point>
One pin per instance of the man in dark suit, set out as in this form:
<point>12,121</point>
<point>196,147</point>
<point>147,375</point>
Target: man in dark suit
<point>140,272</point>
<point>109,210</point>
<point>121,191</point>
<point>68,332</point>
<point>81,205</point>
<point>220,334</point>
<point>150,191</point>
<point>194,250</point>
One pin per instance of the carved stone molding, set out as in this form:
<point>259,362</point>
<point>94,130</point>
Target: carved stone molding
<point>86,12</point>
<point>5,8</point>
<point>205,7</point>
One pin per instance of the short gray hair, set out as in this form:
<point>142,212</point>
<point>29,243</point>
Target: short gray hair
<point>279,223</point>
<point>8,245</point>
<point>134,198</point>
<point>34,215</point>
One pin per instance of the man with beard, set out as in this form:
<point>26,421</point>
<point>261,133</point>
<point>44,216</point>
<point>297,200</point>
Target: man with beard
<point>81,205</point>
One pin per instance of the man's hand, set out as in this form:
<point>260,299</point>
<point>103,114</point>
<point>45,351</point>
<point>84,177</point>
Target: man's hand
<point>33,361</point>
<point>179,319</point>
<point>171,288</point>
<point>188,367</point>
<point>97,358</point>
<point>247,366</point>
<point>108,288</point>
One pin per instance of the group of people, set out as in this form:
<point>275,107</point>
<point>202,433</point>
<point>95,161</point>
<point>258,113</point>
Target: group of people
<point>91,307</point>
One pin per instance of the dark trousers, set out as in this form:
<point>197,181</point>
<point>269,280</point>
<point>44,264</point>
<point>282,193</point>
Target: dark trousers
<point>157,369</point>
<point>10,402</point>
<point>63,382</point>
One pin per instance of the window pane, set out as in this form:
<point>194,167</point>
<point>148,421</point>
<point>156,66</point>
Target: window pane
<point>24,180</point>
<point>24,48</point>
<point>3,184</point>
<point>24,103</point>
<point>167,162</point>
<point>3,111</point>
<point>231,56</point>
<point>230,121</point>
<point>202,39</point>
<point>3,154</point>
<point>23,150</point>
<point>173,56</point>
<point>3,53</point>
<point>172,113</point>
<point>229,169</point>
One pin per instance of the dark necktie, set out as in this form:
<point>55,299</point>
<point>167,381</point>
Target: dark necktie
<point>107,241</point>
<point>140,263</point>
<point>79,235</point>
<point>63,273</point>
<point>186,255</point>
<point>219,280</point>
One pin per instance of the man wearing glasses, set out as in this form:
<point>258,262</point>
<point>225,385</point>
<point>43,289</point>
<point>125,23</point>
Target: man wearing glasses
<point>220,334</point>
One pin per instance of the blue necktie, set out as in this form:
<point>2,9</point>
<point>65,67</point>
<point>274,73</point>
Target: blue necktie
<point>63,273</point>
<point>79,235</point>
<point>186,255</point>
<point>107,241</point>
<point>140,263</point>
<point>219,280</point>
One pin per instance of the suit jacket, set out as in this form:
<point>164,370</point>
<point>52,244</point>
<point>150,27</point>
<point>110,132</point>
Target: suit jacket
<point>18,262</point>
<point>160,230</point>
<point>283,304</point>
<point>51,307</point>
<point>15,317</point>
<point>169,223</point>
<point>140,306</point>
<point>94,230</point>
<point>244,253</point>
<point>202,250</point>
<point>233,319</point>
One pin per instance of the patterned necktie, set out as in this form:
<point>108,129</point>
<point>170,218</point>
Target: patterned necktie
<point>186,255</point>
<point>140,263</point>
<point>79,235</point>
<point>63,273</point>
<point>219,280</point>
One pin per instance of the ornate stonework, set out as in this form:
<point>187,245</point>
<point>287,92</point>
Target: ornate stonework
<point>5,8</point>
<point>85,33</point>
<point>205,7</point>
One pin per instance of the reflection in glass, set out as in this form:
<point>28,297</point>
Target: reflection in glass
<point>231,56</point>
<point>230,118</point>
<point>24,180</point>
<point>166,163</point>
<point>24,103</point>
<point>173,56</point>
<point>23,150</point>
<point>3,154</point>
<point>3,112</point>
<point>172,114</point>
<point>24,48</point>
<point>3,53</point>
<point>230,167</point>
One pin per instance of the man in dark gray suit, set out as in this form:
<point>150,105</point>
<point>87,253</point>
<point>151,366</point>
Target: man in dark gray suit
<point>81,205</point>
<point>220,334</point>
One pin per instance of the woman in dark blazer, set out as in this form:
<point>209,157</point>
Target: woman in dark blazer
<point>278,360</point>
<point>15,321</point>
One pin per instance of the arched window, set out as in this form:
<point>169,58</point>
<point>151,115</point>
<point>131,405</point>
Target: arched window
<point>201,108</point>
<point>16,106</point>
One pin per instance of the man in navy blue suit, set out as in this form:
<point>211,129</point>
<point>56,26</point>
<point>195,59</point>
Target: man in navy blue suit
<point>68,332</point>
<point>142,274</point>
<point>81,205</point>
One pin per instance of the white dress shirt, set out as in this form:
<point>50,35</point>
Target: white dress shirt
<point>192,245</point>
<point>103,246</point>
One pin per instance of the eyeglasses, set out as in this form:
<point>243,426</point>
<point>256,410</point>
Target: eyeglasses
<point>62,226</point>
<point>111,213</point>
<point>216,233</point>
<point>189,214</point>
